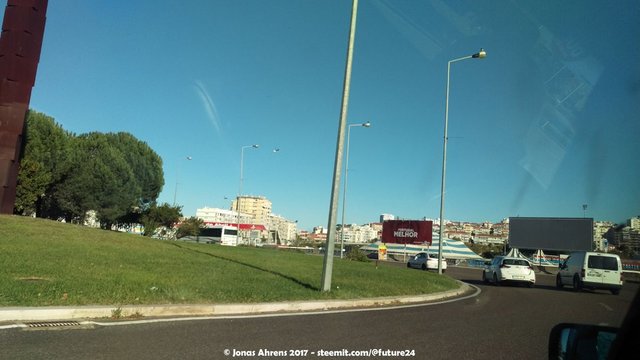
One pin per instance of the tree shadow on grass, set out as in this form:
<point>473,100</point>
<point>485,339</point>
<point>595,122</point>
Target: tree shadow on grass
<point>297,281</point>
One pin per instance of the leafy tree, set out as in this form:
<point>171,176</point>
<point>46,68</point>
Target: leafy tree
<point>32,183</point>
<point>189,227</point>
<point>64,175</point>
<point>145,163</point>
<point>44,163</point>
<point>164,215</point>
<point>100,180</point>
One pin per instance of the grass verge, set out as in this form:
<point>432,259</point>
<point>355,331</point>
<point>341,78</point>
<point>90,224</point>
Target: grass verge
<point>44,263</point>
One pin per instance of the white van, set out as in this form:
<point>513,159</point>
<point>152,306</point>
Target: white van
<point>591,270</point>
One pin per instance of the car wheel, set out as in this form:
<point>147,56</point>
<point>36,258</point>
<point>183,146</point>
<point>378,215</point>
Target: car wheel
<point>577,285</point>
<point>424,267</point>
<point>559,282</point>
<point>615,291</point>
<point>495,280</point>
<point>529,285</point>
<point>408,265</point>
<point>443,270</point>
<point>484,278</point>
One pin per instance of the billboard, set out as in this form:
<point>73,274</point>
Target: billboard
<point>407,231</point>
<point>566,234</point>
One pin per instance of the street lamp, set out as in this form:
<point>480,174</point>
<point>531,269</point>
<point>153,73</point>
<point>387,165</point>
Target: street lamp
<point>175,191</point>
<point>346,178</point>
<point>254,146</point>
<point>479,55</point>
<point>327,263</point>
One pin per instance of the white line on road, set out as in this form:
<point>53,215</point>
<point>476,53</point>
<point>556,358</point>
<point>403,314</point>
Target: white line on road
<point>609,308</point>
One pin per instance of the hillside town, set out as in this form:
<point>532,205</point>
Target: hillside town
<point>255,219</point>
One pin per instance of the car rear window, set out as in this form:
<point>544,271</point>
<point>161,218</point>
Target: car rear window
<point>603,262</point>
<point>515,262</point>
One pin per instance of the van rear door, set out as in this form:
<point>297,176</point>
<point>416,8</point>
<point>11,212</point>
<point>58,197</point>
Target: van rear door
<point>602,269</point>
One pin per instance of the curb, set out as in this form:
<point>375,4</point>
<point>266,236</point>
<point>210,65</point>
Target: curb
<point>137,311</point>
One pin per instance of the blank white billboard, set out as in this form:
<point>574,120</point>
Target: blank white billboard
<point>551,233</point>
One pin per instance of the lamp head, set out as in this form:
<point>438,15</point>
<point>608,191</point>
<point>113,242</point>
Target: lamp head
<point>367,124</point>
<point>255,146</point>
<point>480,54</point>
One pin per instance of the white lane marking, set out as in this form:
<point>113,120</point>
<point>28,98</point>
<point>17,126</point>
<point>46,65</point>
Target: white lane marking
<point>12,326</point>
<point>609,308</point>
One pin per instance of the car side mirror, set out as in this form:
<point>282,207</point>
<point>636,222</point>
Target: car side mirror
<point>575,341</point>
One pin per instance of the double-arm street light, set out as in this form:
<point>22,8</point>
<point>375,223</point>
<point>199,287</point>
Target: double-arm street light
<point>346,178</point>
<point>254,146</point>
<point>479,55</point>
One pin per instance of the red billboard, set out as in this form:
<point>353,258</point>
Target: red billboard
<point>407,231</point>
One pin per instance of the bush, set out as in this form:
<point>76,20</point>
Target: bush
<point>356,255</point>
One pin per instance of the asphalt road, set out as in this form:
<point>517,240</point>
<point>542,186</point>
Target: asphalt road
<point>503,322</point>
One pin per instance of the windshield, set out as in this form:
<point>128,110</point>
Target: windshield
<point>160,118</point>
<point>515,262</point>
<point>537,128</point>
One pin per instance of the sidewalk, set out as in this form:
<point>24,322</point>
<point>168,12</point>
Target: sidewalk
<point>12,314</point>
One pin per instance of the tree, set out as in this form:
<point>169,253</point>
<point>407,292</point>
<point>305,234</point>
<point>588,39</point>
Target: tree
<point>145,163</point>
<point>44,163</point>
<point>32,184</point>
<point>64,175</point>
<point>100,180</point>
<point>164,215</point>
<point>189,227</point>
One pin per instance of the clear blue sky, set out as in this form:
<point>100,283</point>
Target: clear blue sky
<point>546,123</point>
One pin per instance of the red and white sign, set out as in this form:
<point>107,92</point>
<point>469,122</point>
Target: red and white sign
<point>407,231</point>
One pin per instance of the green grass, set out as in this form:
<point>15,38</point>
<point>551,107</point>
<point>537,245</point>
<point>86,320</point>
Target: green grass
<point>44,263</point>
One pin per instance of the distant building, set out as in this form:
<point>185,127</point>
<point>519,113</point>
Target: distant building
<point>281,230</point>
<point>259,207</point>
<point>255,219</point>
<point>357,234</point>
<point>385,217</point>
<point>319,230</point>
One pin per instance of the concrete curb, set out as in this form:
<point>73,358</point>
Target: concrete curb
<point>135,311</point>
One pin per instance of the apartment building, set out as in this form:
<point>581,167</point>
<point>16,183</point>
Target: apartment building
<point>258,207</point>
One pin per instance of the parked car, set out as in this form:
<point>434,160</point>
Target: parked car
<point>426,261</point>
<point>503,269</point>
<point>591,270</point>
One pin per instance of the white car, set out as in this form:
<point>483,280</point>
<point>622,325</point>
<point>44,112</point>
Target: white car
<point>504,269</point>
<point>426,261</point>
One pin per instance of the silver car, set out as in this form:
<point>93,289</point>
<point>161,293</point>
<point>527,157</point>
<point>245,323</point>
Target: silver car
<point>504,269</point>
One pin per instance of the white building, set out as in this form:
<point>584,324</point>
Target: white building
<point>282,229</point>
<point>385,217</point>
<point>216,215</point>
<point>357,234</point>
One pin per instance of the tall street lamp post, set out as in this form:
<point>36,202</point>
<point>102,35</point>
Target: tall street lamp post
<point>254,146</point>
<point>175,191</point>
<point>327,264</point>
<point>346,178</point>
<point>479,55</point>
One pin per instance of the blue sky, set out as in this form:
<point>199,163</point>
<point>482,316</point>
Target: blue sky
<point>546,123</point>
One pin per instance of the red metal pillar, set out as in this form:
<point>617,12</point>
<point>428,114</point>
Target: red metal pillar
<point>20,46</point>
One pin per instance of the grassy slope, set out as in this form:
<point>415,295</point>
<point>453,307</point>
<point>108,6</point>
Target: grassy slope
<point>44,262</point>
